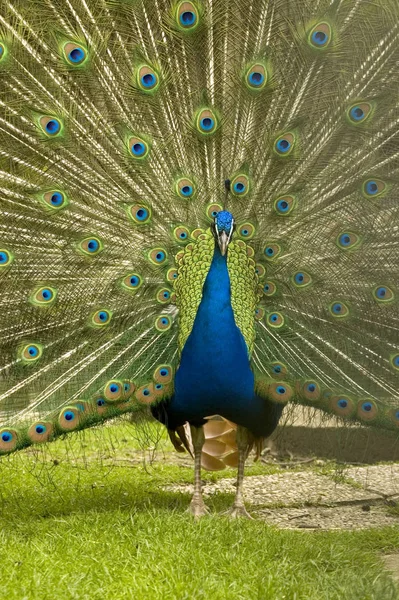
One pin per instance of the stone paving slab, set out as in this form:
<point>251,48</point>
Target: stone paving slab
<point>383,479</point>
<point>326,518</point>
<point>287,489</point>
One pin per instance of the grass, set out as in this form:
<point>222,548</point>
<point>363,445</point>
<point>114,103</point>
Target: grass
<point>110,530</point>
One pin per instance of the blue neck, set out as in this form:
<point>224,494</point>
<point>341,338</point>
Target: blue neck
<point>214,374</point>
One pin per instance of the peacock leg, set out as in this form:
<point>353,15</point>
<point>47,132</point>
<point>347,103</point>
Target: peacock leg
<point>197,506</point>
<point>244,444</point>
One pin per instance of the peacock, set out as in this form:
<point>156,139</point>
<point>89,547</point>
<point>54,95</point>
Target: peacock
<point>199,218</point>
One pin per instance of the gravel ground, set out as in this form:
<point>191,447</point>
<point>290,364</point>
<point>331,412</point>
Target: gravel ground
<point>309,500</point>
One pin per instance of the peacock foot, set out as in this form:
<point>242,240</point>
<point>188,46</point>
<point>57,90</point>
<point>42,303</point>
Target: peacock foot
<point>198,508</point>
<point>238,511</point>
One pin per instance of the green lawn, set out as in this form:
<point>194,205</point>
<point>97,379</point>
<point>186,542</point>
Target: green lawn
<point>101,526</point>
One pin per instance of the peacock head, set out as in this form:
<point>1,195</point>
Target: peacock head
<point>223,228</point>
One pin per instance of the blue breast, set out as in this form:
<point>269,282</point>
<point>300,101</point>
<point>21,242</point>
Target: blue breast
<point>214,376</point>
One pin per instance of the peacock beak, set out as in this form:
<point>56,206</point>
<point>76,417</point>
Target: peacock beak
<point>223,241</point>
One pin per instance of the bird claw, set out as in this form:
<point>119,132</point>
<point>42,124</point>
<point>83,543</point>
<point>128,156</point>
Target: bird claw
<point>198,508</point>
<point>238,511</point>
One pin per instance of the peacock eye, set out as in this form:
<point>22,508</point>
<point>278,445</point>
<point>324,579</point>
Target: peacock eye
<point>372,188</point>
<point>101,318</point>
<point>320,36</point>
<point>358,113</point>
<point>138,147</point>
<point>31,352</point>
<point>187,16</point>
<point>90,246</point>
<point>275,320</point>
<point>395,361</point>
<point>347,240</point>
<point>256,77</point>
<point>5,258</point>
<point>339,309</point>
<point>284,205</point>
<point>246,231</point>
<point>140,214</point>
<point>301,279</point>
<point>181,233</point>
<point>240,186</point>
<point>163,374</point>
<point>206,122</point>
<point>284,145</point>
<point>272,251</point>
<point>51,126</point>
<point>270,288</point>
<point>157,256</point>
<point>147,79</point>
<point>383,294</point>
<point>54,199</point>
<point>43,296</point>
<point>163,323</point>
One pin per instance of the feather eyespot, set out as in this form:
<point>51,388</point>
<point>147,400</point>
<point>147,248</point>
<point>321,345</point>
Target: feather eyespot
<point>320,36</point>
<point>395,361</point>
<point>163,374</point>
<point>269,288</point>
<point>347,240</point>
<point>206,122</point>
<point>260,270</point>
<point>140,214</point>
<point>342,406</point>
<point>181,234</point>
<point>40,432</point>
<point>113,390</point>
<point>284,205</point>
<point>55,199</point>
<point>69,418</point>
<point>240,186</point>
<point>172,275</point>
<point>212,210</point>
<point>275,320</point>
<point>272,251</point>
<point>8,439</point>
<point>6,258</point>
<point>284,144</point>
<point>157,256</point>
<point>31,352</point>
<point>2,51</point>
<point>372,188</point>
<point>43,296</point>
<point>138,147</point>
<point>367,410</point>
<point>383,294</point>
<point>311,390</point>
<point>91,246</point>
<point>256,77</point>
<point>187,16</point>
<point>185,188</point>
<point>147,79</point>
<point>101,318</point>
<point>145,393</point>
<point>358,113</point>
<point>163,295</point>
<point>132,282</point>
<point>259,314</point>
<point>339,310</point>
<point>280,392</point>
<point>246,231</point>
<point>278,369</point>
<point>75,54</point>
<point>51,126</point>
<point>163,323</point>
<point>301,279</point>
